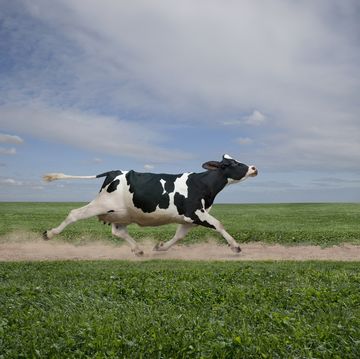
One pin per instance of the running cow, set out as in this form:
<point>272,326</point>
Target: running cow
<point>149,199</point>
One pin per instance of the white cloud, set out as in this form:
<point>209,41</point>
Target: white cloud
<point>23,185</point>
<point>103,134</point>
<point>255,119</point>
<point>149,167</point>
<point>11,182</point>
<point>331,144</point>
<point>244,141</point>
<point>7,151</point>
<point>232,122</point>
<point>5,138</point>
<point>233,53</point>
<point>97,160</point>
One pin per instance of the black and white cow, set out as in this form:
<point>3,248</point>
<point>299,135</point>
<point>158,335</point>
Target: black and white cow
<point>150,199</point>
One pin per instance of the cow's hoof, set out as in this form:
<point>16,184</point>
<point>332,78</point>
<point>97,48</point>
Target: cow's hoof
<point>159,247</point>
<point>45,236</point>
<point>138,252</point>
<point>236,249</point>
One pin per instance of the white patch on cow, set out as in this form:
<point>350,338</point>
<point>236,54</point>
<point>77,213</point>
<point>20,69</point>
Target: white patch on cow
<point>118,200</point>
<point>181,186</point>
<point>163,182</point>
<point>205,217</point>
<point>227,157</point>
<point>204,205</point>
<point>252,172</point>
<point>232,181</point>
<point>171,212</point>
<point>203,214</point>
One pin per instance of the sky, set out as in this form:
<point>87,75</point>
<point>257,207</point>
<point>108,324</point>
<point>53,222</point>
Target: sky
<point>163,86</point>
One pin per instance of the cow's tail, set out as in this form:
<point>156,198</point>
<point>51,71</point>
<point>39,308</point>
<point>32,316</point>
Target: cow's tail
<point>57,176</point>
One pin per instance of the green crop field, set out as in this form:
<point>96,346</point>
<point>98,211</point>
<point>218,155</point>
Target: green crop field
<point>324,224</point>
<point>173,309</point>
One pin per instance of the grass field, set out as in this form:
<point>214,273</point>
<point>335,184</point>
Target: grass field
<point>323,224</point>
<point>179,309</point>
<point>174,309</point>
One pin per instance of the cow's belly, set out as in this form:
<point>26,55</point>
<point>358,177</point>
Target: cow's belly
<point>157,218</point>
<point>151,221</point>
<point>119,216</point>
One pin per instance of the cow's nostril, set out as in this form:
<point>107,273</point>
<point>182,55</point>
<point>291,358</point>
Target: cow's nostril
<point>254,171</point>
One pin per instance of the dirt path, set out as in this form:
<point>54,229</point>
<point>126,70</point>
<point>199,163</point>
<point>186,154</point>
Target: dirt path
<point>31,248</point>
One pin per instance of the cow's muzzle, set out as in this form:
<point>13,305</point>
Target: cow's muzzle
<point>253,171</point>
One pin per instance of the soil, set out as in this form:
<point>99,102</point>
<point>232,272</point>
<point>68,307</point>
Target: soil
<point>30,247</point>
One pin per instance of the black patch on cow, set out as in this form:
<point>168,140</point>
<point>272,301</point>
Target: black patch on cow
<point>204,223</point>
<point>148,192</point>
<point>113,186</point>
<point>164,201</point>
<point>110,176</point>
<point>111,211</point>
<point>179,201</point>
<point>169,186</point>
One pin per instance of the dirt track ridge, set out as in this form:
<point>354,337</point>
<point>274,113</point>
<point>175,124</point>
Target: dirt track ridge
<point>20,247</point>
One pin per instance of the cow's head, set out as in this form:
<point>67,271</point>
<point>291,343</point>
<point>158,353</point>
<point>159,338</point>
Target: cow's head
<point>232,169</point>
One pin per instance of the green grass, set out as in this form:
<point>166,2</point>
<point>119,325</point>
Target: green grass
<point>172,309</point>
<point>323,224</point>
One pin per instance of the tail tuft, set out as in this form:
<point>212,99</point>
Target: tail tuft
<point>53,176</point>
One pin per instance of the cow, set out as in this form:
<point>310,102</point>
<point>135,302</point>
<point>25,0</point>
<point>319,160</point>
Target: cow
<point>150,199</point>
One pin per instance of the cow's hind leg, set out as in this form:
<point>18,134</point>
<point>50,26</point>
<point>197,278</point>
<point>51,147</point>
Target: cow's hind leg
<point>120,231</point>
<point>90,210</point>
<point>181,232</point>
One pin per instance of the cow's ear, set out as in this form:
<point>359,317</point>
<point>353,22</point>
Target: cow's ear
<point>211,165</point>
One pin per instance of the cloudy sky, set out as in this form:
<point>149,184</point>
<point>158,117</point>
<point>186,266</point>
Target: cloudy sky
<point>88,86</point>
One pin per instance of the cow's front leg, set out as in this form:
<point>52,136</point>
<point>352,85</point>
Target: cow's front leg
<point>181,232</point>
<point>207,220</point>
<point>120,231</point>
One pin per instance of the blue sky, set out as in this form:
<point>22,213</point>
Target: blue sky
<point>163,86</point>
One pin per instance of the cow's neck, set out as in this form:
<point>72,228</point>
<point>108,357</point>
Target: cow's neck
<point>215,181</point>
